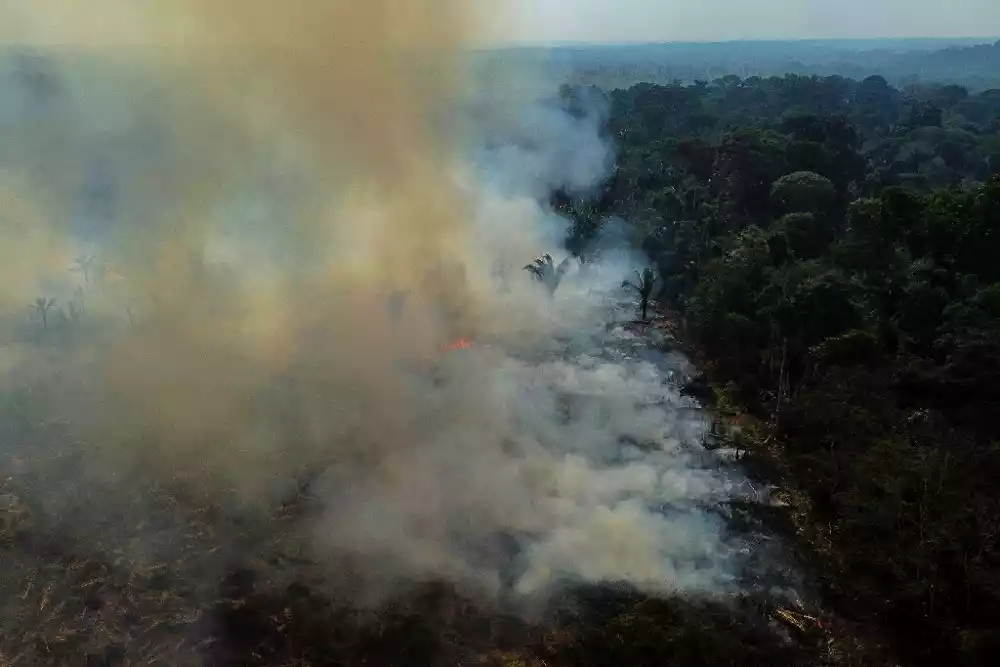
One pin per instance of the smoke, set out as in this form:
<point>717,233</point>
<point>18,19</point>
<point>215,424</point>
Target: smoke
<point>291,214</point>
<point>540,143</point>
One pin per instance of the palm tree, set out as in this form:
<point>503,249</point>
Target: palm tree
<point>644,288</point>
<point>546,272</point>
<point>540,267</point>
<point>84,264</point>
<point>43,305</point>
<point>81,300</point>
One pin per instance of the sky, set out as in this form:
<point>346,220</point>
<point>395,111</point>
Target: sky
<point>617,21</point>
<point>721,20</point>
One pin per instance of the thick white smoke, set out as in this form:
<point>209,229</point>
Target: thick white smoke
<point>585,463</point>
<point>271,297</point>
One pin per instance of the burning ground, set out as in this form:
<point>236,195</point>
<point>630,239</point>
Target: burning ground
<point>545,548</point>
<point>232,429</point>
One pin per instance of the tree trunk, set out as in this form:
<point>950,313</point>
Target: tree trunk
<point>781,383</point>
<point>645,308</point>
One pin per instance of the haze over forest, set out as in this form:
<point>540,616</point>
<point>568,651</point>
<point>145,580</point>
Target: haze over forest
<point>975,62</point>
<point>554,334</point>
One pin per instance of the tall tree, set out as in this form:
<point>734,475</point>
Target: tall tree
<point>43,306</point>
<point>644,288</point>
<point>84,264</point>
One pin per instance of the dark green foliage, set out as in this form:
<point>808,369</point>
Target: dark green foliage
<point>804,192</point>
<point>640,632</point>
<point>806,235</point>
<point>834,247</point>
<point>855,347</point>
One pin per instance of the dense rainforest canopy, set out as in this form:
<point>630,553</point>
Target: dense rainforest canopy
<point>832,248</point>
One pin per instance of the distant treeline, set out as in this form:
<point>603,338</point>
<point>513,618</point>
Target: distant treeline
<point>971,63</point>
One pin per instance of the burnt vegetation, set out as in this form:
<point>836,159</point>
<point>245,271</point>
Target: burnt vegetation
<point>829,248</point>
<point>70,600</point>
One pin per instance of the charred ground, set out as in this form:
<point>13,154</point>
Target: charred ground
<point>267,607</point>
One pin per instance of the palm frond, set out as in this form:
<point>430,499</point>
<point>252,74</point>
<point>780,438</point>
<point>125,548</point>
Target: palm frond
<point>563,267</point>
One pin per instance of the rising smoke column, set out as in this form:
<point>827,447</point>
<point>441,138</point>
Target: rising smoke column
<point>352,99</point>
<point>291,171</point>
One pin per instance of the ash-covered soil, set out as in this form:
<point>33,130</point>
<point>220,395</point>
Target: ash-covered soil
<point>173,578</point>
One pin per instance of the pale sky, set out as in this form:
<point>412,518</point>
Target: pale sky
<point>711,20</point>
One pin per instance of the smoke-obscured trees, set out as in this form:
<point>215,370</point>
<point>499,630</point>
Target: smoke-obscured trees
<point>85,265</point>
<point>42,306</point>
<point>545,271</point>
<point>644,288</point>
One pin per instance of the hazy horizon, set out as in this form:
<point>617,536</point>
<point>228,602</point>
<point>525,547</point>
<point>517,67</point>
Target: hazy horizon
<point>558,22</point>
<point>958,39</point>
<point>620,22</point>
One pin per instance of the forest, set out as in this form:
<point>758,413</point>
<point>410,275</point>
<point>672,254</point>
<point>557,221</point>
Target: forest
<point>220,463</point>
<point>829,249</point>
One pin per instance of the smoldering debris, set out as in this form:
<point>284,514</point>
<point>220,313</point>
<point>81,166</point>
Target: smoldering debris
<point>535,452</point>
<point>273,255</point>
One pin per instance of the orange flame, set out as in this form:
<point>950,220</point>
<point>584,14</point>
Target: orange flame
<point>460,344</point>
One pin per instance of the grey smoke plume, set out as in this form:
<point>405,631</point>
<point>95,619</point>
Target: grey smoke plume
<point>536,146</point>
<point>584,462</point>
<point>292,217</point>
